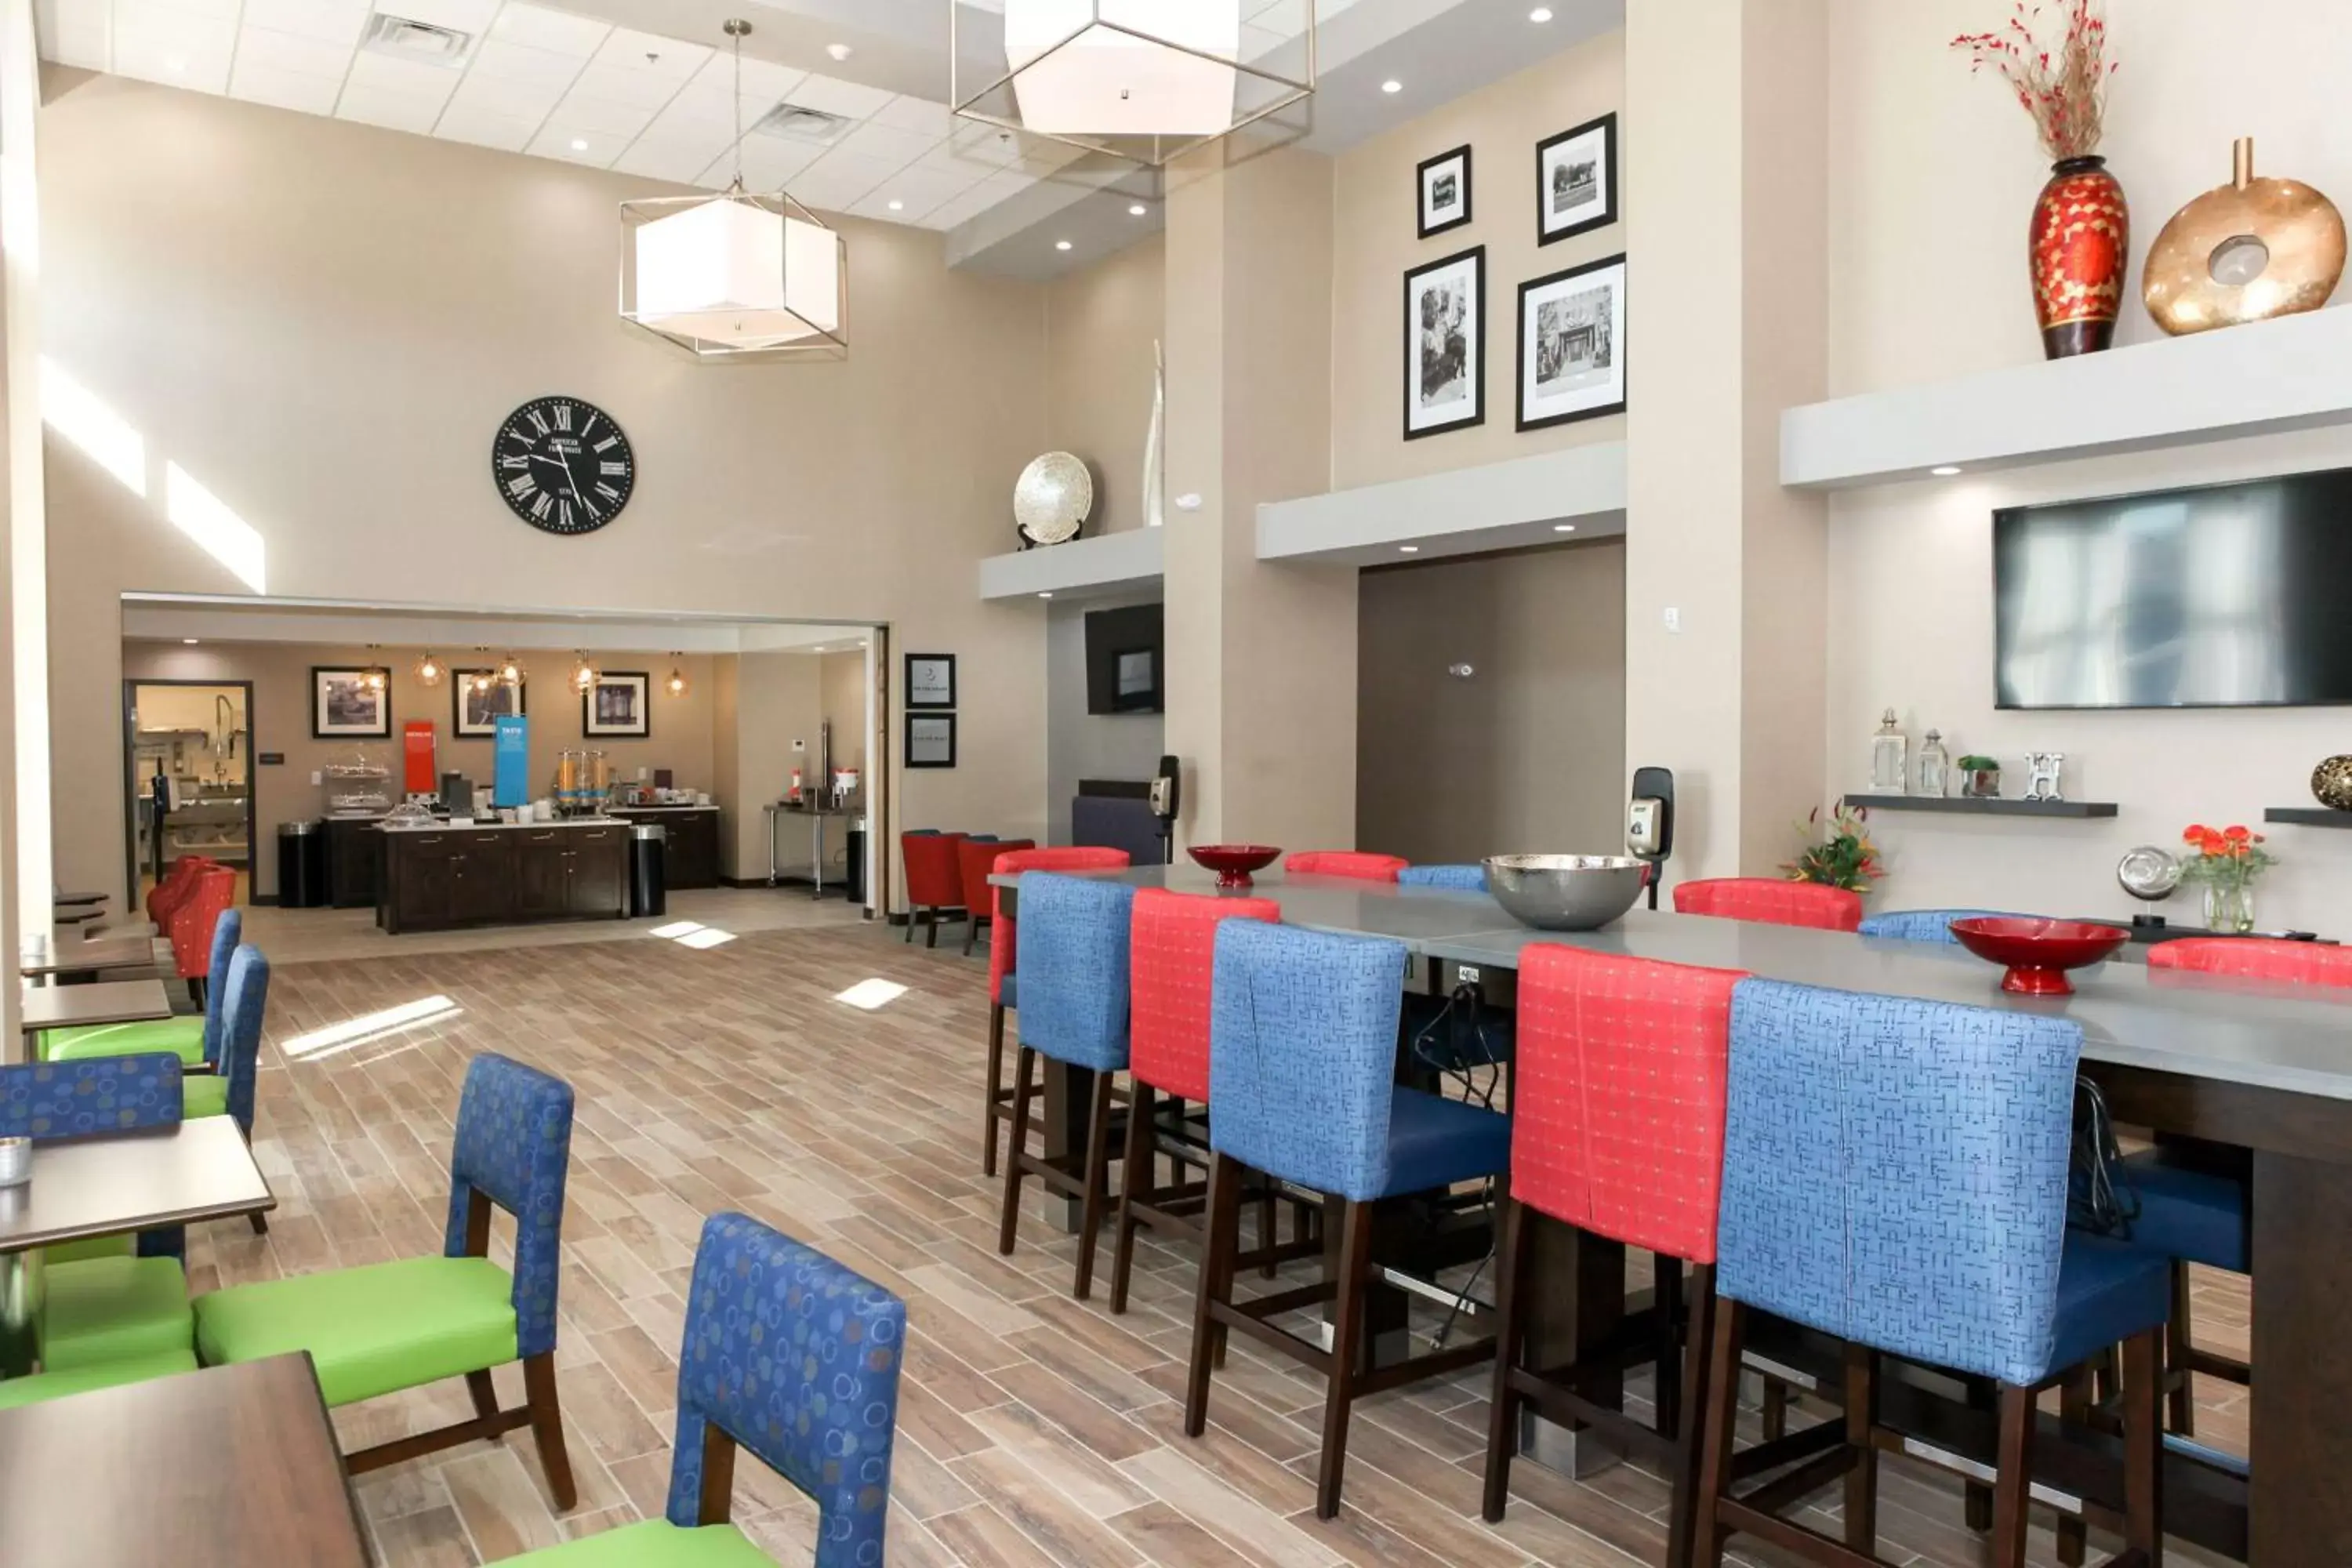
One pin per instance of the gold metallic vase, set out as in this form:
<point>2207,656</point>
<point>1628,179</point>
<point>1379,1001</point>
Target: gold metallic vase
<point>2245,252</point>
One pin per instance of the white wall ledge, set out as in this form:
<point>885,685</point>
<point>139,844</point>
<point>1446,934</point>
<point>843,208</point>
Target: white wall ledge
<point>2291,374</point>
<point>1495,506</point>
<point>1105,563</point>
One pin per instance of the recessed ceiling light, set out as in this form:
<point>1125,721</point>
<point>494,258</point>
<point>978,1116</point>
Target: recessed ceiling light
<point>190,641</point>
<point>1563,528</point>
<point>1137,210</point>
<point>1061,245</point>
<point>1541,14</point>
<point>1045,595</point>
<point>839,51</point>
<point>1392,84</point>
<point>1946,472</point>
<point>898,206</point>
<point>1409,549</point>
<point>579,144</point>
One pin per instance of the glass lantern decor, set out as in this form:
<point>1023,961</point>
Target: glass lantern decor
<point>1145,80</point>
<point>1935,766</point>
<point>1887,757</point>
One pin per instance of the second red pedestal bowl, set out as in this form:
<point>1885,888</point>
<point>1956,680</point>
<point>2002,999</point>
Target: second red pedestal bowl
<point>2038,953</point>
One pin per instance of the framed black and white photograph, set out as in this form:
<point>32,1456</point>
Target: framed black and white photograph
<point>930,681</point>
<point>475,710</point>
<point>615,706</point>
<point>350,704</point>
<point>1444,344</point>
<point>1572,344</point>
<point>1444,192</point>
<point>930,740</point>
<point>1576,180</point>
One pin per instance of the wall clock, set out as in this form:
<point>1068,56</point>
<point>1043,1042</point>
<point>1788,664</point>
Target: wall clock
<point>563,465</point>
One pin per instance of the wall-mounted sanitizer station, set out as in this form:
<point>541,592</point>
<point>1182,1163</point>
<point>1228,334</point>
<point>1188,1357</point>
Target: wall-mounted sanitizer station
<point>1649,823</point>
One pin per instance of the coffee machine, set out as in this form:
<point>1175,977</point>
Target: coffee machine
<point>1649,823</point>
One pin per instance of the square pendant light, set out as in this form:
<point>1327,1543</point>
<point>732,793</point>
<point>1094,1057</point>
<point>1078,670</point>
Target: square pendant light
<point>735,276</point>
<point>1147,81</point>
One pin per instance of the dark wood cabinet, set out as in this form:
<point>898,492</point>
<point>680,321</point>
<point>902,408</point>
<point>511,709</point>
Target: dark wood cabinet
<point>354,849</point>
<point>435,878</point>
<point>690,843</point>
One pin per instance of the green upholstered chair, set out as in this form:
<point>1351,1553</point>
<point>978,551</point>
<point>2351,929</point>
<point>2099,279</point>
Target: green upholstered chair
<point>795,1358</point>
<point>194,1038</point>
<point>384,1327</point>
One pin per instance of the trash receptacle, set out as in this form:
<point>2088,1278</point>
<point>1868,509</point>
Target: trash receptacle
<point>301,865</point>
<point>854,847</point>
<point>648,895</point>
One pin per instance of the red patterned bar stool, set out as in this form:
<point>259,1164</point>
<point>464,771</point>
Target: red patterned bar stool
<point>1003,989</point>
<point>1773,902</point>
<point>1352,863</point>
<point>976,859</point>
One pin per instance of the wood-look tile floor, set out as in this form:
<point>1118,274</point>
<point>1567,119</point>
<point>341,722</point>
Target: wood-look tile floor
<point>1033,1429</point>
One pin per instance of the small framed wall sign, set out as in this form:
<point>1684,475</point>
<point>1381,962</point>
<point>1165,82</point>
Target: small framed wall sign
<point>1444,193</point>
<point>350,704</point>
<point>1576,180</point>
<point>1445,345</point>
<point>930,741</point>
<point>615,707</point>
<point>1572,344</point>
<point>930,681</point>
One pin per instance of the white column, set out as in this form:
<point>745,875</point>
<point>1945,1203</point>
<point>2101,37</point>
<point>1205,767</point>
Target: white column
<point>24,645</point>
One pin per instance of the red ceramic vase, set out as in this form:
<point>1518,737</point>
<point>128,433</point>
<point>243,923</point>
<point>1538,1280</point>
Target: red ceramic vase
<point>2081,247</point>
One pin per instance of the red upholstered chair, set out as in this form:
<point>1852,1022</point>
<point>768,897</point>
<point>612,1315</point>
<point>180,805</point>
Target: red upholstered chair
<point>977,858</point>
<point>1771,901</point>
<point>1617,1129</point>
<point>1353,863</point>
<point>211,894</point>
<point>2256,958</point>
<point>1002,986</point>
<point>176,883</point>
<point>934,878</point>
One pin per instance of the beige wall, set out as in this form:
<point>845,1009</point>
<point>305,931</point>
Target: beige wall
<point>1528,755</point>
<point>779,701</point>
<point>842,677</point>
<point>1932,174</point>
<point>1100,324</point>
<point>682,739</point>
<point>1083,745</point>
<point>1374,225</point>
<point>323,324</point>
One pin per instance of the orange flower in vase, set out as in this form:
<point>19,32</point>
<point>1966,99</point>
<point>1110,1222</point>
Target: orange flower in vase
<point>2226,863</point>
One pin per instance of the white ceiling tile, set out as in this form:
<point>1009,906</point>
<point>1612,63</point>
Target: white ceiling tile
<point>471,16</point>
<point>485,128</point>
<point>393,110</point>
<point>762,79</point>
<point>837,97</point>
<point>881,143</point>
<point>645,52</point>
<point>836,181</point>
<point>507,97</point>
<point>599,116</point>
<point>770,162</point>
<point>958,209</point>
<point>304,91</point>
<point>686,118</point>
<point>387,74</point>
<point>280,51</point>
<point>646,89</point>
<point>75,33</point>
<point>681,162</point>
<point>917,114</point>
<point>329,21</point>
<point>577,146</point>
<point>142,13</point>
<point>194,57</point>
<point>560,32</point>
<point>922,190</point>
<point>514,62</point>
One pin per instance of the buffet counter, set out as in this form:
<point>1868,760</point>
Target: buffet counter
<point>502,873</point>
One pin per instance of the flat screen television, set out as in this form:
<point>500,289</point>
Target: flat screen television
<point>2225,597</point>
<point>1123,660</point>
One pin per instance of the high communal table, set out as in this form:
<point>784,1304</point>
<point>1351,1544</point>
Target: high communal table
<point>109,1002</point>
<point>2265,1067</point>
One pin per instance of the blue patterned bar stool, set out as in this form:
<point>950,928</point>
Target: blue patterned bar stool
<point>1074,1009</point>
<point>1895,1174</point>
<point>383,1327</point>
<point>1302,1068</point>
<point>797,1359</point>
<point>1922,925</point>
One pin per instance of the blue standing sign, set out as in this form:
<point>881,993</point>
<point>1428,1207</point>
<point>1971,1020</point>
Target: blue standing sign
<point>510,784</point>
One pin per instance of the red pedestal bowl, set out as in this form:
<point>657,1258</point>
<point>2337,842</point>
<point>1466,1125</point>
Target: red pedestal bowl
<point>2038,953</point>
<point>1233,863</point>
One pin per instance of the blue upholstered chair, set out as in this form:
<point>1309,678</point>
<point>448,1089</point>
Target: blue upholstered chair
<point>1895,1174</point>
<point>193,1038</point>
<point>797,1359</point>
<point>1074,1009</point>
<point>383,1327</point>
<point>1459,879</point>
<point>1921,925</point>
<point>111,1318</point>
<point>1302,1069</point>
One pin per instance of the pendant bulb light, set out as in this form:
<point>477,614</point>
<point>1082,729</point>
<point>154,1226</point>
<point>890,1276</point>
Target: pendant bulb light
<point>509,672</point>
<point>430,669</point>
<point>677,682</point>
<point>378,678</point>
<point>583,674</point>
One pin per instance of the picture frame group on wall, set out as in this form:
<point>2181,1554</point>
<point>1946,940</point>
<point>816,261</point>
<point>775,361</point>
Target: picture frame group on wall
<point>930,681</point>
<point>1444,192</point>
<point>351,702</point>
<point>1571,361</point>
<point>930,740</point>
<point>1576,180</point>
<point>617,706</point>
<point>1445,345</point>
<point>475,711</point>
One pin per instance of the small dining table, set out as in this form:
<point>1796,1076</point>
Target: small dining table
<point>53,953</point>
<point>2261,1066</point>
<point>222,1467</point>
<point>109,1002</point>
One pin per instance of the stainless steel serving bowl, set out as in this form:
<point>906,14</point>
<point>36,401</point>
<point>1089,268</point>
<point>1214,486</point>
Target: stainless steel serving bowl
<point>1566,892</point>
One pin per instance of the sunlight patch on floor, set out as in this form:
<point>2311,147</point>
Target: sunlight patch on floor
<point>872,995</point>
<point>370,1026</point>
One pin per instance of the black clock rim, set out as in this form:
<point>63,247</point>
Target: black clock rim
<point>627,494</point>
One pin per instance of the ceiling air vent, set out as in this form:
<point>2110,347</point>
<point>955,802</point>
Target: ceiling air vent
<point>790,119</point>
<point>419,41</point>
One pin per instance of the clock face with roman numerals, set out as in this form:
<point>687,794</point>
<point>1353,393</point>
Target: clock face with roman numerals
<point>562,465</point>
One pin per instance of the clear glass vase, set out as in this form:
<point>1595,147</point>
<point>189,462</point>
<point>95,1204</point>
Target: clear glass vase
<point>2230,906</point>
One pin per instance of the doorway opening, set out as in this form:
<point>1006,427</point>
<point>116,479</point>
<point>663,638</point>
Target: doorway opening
<point>189,784</point>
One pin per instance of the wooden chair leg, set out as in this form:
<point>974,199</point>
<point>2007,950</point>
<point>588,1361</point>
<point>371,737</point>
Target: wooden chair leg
<point>1776,1409</point>
<point>261,1222</point>
<point>1016,1149</point>
<point>995,1087</point>
<point>2181,1399</point>
<point>1098,1183</point>
<point>1976,1498</point>
<point>914,913</point>
<point>931,929</point>
<point>970,932</point>
<point>1347,1349</point>
<point>1666,1295</point>
<point>1510,1328</point>
<point>2012,1485</point>
<point>1681,1511</point>
<point>1266,1221</point>
<point>547,1425</point>
<point>1718,1428</point>
<point>1223,1217</point>
<point>485,1396</point>
<point>1137,1172</point>
<point>1862,1481</point>
<point>2143,1452</point>
<point>2073,1410</point>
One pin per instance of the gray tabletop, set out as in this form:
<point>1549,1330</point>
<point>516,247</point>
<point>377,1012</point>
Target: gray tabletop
<point>113,1182</point>
<point>69,953</point>
<point>110,1002</point>
<point>2296,1038</point>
